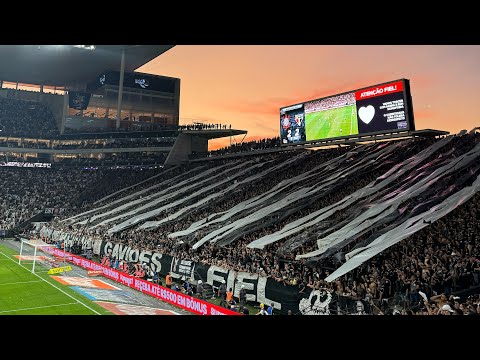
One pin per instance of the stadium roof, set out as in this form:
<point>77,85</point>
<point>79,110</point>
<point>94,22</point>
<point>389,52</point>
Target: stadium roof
<point>60,65</point>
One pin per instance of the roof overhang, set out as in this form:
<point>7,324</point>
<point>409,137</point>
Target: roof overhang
<point>66,65</point>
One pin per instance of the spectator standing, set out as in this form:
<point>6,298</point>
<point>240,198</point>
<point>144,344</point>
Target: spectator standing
<point>168,281</point>
<point>188,287</point>
<point>270,309</point>
<point>222,293</point>
<point>200,289</point>
<point>229,296</point>
<point>243,296</point>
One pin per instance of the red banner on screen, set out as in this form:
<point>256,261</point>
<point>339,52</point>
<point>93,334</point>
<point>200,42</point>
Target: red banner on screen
<point>379,90</point>
<point>176,298</point>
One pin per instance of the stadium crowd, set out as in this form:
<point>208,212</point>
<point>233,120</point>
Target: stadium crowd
<point>26,118</point>
<point>200,126</point>
<point>428,273</point>
<point>330,103</point>
<point>83,144</point>
<point>267,143</point>
<point>137,126</point>
<point>25,191</point>
<point>118,143</point>
<point>117,159</point>
<point>125,126</point>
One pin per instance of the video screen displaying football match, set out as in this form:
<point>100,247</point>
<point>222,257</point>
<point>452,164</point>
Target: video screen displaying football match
<point>331,117</point>
<point>379,108</point>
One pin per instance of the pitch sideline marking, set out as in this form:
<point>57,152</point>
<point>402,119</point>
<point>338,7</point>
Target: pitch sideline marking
<point>21,282</point>
<point>38,307</point>
<point>70,296</point>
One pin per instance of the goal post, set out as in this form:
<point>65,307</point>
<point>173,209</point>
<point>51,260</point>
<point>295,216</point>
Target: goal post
<point>36,251</point>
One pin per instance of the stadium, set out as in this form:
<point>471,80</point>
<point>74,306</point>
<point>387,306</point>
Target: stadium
<point>110,206</point>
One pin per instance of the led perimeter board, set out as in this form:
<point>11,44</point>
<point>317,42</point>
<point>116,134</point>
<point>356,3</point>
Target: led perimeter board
<point>375,109</point>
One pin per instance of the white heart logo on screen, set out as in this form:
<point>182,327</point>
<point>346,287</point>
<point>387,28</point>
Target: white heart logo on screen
<point>366,114</point>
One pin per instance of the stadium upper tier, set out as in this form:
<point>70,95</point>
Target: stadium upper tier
<point>28,132</point>
<point>26,119</point>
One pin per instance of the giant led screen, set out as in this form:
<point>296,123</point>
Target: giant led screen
<point>379,108</point>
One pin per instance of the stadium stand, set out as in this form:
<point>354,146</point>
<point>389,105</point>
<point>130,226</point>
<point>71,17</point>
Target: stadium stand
<point>267,143</point>
<point>311,221</point>
<point>26,191</point>
<point>26,118</point>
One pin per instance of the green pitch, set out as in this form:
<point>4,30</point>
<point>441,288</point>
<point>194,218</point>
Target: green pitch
<point>25,293</point>
<point>331,123</point>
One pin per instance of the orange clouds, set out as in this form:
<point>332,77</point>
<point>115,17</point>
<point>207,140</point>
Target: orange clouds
<point>246,85</point>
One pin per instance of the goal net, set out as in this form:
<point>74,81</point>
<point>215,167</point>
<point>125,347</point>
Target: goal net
<point>37,256</point>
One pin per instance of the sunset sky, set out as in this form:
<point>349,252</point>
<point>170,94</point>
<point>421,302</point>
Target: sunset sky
<point>246,85</point>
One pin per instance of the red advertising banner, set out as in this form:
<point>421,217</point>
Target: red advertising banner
<point>379,90</point>
<point>176,298</point>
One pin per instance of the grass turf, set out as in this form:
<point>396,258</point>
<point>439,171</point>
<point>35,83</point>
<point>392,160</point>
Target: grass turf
<point>25,293</point>
<point>331,123</point>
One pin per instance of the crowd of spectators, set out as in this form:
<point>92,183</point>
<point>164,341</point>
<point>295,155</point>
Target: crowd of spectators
<point>267,143</point>
<point>117,143</point>
<point>26,118</point>
<point>330,103</point>
<point>422,274</point>
<point>285,270</point>
<point>200,126</point>
<point>408,278</point>
<point>25,192</point>
<point>9,143</point>
<point>136,126</point>
<point>117,159</point>
<point>125,126</point>
<point>35,145</point>
<point>84,144</point>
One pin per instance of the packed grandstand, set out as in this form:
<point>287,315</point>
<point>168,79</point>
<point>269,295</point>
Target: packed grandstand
<point>377,228</point>
<point>359,226</point>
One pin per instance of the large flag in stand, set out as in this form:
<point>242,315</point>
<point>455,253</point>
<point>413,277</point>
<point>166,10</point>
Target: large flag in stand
<point>78,100</point>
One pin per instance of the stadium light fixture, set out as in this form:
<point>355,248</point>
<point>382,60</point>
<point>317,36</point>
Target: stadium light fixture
<point>85,47</point>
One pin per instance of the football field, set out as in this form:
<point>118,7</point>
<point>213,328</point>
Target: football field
<point>331,123</point>
<point>25,293</point>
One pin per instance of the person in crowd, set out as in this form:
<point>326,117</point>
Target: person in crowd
<point>229,296</point>
<point>242,295</point>
<point>187,287</point>
<point>222,293</point>
<point>270,309</point>
<point>262,310</point>
<point>200,289</point>
<point>168,281</point>
<point>245,311</point>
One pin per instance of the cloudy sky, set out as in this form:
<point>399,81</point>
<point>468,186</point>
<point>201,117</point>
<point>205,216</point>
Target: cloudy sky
<point>245,85</point>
